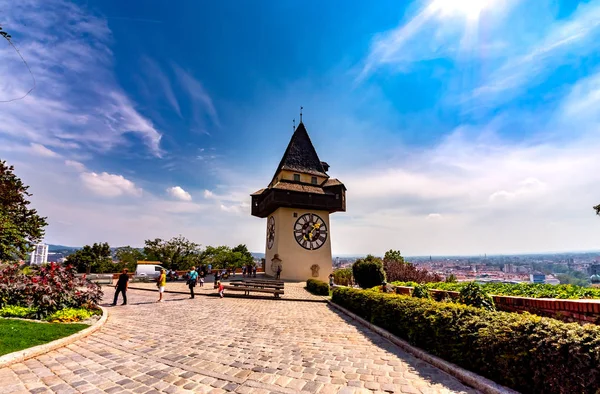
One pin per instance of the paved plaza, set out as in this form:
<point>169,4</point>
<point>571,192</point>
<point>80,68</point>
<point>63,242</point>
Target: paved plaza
<point>213,345</point>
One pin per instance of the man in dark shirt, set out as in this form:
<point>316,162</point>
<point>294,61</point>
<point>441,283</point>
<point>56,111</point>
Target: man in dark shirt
<point>121,287</point>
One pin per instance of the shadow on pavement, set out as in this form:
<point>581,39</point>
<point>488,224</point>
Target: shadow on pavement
<point>419,367</point>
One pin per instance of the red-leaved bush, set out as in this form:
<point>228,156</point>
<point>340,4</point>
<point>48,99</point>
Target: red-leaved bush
<point>47,288</point>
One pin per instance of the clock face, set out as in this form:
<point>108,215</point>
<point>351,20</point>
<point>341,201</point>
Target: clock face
<point>270,232</point>
<point>310,231</point>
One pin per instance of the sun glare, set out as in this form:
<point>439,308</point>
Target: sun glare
<point>470,9</point>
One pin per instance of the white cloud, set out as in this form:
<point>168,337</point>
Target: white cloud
<point>434,216</point>
<point>564,41</point>
<point>178,193</point>
<point>75,164</point>
<point>156,74</point>
<point>41,150</point>
<point>77,101</point>
<point>208,194</point>
<point>432,32</point>
<point>109,185</point>
<point>203,103</point>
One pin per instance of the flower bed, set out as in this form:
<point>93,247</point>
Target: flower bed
<point>531,290</point>
<point>522,351</point>
<point>45,290</point>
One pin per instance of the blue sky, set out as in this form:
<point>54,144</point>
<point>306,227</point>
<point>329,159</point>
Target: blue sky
<point>459,127</point>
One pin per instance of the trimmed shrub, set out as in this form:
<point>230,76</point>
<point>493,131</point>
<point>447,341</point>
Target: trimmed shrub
<point>317,287</point>
<point>525,352</point>
<point>532,290</point>
<point>473,295</point>
<point>420,291</point>
<point>343,277</point>
<point>368,272</point>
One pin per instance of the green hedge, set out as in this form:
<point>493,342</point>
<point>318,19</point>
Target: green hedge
<point>525,352</point>
<point>317,287</point>
<point>532,290</point>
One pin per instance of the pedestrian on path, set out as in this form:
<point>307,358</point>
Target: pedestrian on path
<point>221,289</point>
<point>192,280</point>
<point>331,279</point>
<point>254,271</point>
<point>161,283</point>
<point>278,273</point>
<point>121,287</point>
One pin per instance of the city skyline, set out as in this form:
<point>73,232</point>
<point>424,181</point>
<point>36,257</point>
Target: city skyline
<point>459,128</point>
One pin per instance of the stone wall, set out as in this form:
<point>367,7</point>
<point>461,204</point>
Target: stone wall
<point>582,311</point>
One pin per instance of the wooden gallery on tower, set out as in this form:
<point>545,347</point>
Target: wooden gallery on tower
<point>297,204</point>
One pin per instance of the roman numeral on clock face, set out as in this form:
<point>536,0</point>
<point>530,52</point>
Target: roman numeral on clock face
<point>310,231</point>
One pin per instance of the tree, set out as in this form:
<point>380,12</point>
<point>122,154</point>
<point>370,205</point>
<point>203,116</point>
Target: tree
<point>398,270</point>
<point>244,258</point>
<point>129,257</point>
<point>368,272</point>
<point>20,226</point>
<point>219,256</point>
<point>177,253</point>
<point>95,258</point>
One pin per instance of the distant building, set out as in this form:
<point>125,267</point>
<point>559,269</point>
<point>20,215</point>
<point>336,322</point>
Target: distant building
<point>594,269</point>
<point>39,255</point>
<point>537,278</point>
<point>509,269</point>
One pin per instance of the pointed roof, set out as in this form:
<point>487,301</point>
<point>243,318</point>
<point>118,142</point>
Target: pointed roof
<point>301,155</point>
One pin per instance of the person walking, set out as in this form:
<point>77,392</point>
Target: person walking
<point>121,287</point>
<point>202,275</point>
<point>161,283</point>
<point>254,271</point>
<point>331,280</point>
<point>221,289</point>
<point>192,280</point>
<point>278,272</point>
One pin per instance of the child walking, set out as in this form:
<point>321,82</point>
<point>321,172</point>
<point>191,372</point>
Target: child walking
<point>221,289</point>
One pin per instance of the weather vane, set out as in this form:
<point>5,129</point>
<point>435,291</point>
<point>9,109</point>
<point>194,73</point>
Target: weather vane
<point>301,108</point>
<point>294,124</point>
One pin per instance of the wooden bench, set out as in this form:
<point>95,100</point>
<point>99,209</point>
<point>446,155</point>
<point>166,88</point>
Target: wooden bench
<point>247,289</point>
<point>261,285</point>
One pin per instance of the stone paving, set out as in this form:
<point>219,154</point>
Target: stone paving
<point>293,290</point>
<point>213,345</point>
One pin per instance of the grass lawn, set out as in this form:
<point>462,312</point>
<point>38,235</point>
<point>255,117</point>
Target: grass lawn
<point>20,334</point>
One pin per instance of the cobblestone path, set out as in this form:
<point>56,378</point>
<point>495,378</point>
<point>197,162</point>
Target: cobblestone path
<point>212,345</point>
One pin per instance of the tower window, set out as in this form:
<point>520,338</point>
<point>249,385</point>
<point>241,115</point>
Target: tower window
<point>295,214</point>
<point>297,177</point>
<point>313,180</point>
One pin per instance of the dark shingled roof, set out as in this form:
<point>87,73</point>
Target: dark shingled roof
<point>300,155</point>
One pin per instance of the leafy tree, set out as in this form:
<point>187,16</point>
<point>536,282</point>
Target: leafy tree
<point>368,272</point>
<point>451,279</point>
<point>398,270</point>
<point>177,253</point>
<point>96,258</point>
<point>20,226</point>
<point>393,255</point>
<point>129,257</point>
<point>244,258</point>
<point>219,256</point>
<point>342,277</point>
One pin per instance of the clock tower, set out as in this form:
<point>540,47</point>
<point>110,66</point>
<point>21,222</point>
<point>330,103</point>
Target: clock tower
<point>297,204</point>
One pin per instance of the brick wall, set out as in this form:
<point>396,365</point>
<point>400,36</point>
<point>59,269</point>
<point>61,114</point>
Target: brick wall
<point>582,311</point>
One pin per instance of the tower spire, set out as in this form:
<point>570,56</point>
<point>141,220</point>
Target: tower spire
<point>301,108</point>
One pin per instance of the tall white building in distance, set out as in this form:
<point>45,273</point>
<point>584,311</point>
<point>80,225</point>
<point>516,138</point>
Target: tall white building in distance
<point>39,255</point>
